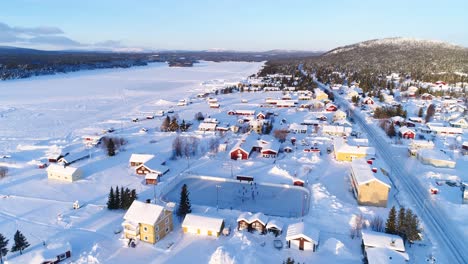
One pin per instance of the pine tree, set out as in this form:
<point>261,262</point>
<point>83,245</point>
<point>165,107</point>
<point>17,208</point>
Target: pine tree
<point>20,242</point>
<point>111,199</point>
<point>390,225</point>
<point>289,260</point>
<point>126,202</point>
<point>184,204</point>
<point>111,148</point>
<point>133,196</point>
<point>412,227</point>
<point>401,223</point>
<point>118,198</point>
<point>3,247</point>
<point>123,198</point>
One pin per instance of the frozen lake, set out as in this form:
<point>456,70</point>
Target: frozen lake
<point>276,200</point>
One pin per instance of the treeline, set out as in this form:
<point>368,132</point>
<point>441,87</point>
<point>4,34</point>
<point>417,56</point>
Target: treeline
<point>389,111</point>
<point>121,198</point>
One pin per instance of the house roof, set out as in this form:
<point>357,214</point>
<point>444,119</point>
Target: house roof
<point>341,146</point>
<point>299,230</point>
<point>199,221</point>
<point>62,169</point>
<point>296,126</point>
<point>250,218</point>
<point>363,173</point>
<point>385,256</point>
<point>207,126</point>
<point>155,164</point>
<point>275,224</point>
<point>434,155</point>
<point>382,240</point>
<point>146,213</point>
<point>151,176</point>
<point>405,129</point>
<point>141,158</point>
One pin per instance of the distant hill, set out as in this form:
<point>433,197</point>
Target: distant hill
<point>398,54</point>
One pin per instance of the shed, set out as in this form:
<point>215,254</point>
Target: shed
<point>275,227</point>
<point>202,225</point>
<point>302,237</point>
<point>151,178</point>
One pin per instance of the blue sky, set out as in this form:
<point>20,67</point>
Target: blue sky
<point>229,24</point>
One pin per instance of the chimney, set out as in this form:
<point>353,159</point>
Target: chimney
<point>374,170</point>
<point>148,200</point>
<point>370,162</point>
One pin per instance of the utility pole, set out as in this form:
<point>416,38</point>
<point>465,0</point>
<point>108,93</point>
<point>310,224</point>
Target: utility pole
<point>217,196</point>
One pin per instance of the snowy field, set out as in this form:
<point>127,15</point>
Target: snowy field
<point>271,199</point>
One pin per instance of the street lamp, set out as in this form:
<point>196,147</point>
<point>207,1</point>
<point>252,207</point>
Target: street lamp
<point>217,196</point>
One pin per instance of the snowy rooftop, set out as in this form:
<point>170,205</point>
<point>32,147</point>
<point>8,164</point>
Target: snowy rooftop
<point>341,146</point>
<point>146,213</point>
<point>386,256</point>
<point>363,173</point>
<point>250,218</point>
<point>433,154</point>
<point>207,126</point>
<point>275,224</point>
<point>382,240</point>
<point>298,230</point>
<point>199,221</point>
<point>62,169</point>
<point>141,158</point>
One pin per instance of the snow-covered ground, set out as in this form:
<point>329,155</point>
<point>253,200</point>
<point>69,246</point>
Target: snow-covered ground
<point>41,115</point>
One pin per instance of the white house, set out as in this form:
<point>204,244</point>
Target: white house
<point>435,158</point>
<point>302,237</point>
<point>63,173</point>
<point>202,225</point>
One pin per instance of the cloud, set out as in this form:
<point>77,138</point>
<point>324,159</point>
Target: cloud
<point>53,38</point>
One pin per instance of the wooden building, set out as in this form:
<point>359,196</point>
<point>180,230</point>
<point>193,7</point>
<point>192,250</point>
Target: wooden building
<point>202,225</point>
<point>370,186</point>
<point>302,237</point>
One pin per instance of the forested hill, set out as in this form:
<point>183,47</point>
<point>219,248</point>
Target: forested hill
<point>18,63</point>
<point>398,55</point>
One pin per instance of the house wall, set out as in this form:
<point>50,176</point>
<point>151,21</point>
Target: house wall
<point>147,233</point>
<point>373,194</point>
<point>203,231</point>
<point>235,153</point>
<point>151,181</point>
<point>295,243</point>
<point>134,164</point>
<point>164,226</point>
<point>344,156</point>
<point>241,225</point>
<point>54,175</point>
<point>256,225</point>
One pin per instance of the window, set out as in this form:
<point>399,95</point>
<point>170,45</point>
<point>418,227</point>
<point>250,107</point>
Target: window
<point>145,238</point>
<point>62,256</point>
<point>145,228</point>
<point>157,238</point>
<point>157,229</point>
<point>167,230</point>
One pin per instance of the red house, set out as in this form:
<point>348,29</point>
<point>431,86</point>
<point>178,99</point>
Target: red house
<point>407,133</point>
<point>239,153</point>
<point>331,107</point>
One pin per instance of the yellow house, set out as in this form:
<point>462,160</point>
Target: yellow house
<point>345,152</point>
<point>202,225</point>
<point>147,222</point>
<point>369,185</point>
<point>320,95</point>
